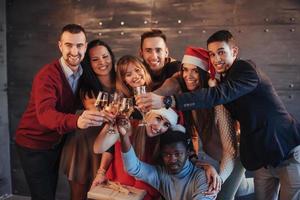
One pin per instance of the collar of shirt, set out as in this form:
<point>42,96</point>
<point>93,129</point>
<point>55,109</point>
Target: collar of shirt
<point>72,77</point>
<point>223,75</point>
<point>185,171</point>
<point>68,72</point>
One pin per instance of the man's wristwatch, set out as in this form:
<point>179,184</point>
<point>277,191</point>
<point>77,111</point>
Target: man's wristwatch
<point>167,100</point>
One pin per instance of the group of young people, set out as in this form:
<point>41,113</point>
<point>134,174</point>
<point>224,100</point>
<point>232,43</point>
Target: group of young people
<point>193,109</point>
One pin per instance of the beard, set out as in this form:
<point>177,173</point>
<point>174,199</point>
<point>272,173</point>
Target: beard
<point>73,61</point>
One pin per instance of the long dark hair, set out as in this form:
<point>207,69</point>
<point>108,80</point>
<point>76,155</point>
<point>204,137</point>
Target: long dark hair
<point>204,117</point>
<point>89,81</point>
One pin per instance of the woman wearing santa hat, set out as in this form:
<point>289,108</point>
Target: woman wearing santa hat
<point>158,122</point>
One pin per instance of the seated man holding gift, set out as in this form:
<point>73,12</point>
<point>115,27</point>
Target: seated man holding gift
<point>176,178</point>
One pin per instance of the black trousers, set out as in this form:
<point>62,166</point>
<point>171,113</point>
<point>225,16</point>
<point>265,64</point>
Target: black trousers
<point>41,171</point>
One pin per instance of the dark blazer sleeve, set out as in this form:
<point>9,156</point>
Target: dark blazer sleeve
<point>241,79</point>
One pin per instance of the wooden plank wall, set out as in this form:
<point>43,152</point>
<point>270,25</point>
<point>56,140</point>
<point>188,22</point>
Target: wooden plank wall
<point>268,32</point>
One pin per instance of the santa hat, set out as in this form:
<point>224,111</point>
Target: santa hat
<point>178,127</point>
<point>200,58</point>
<point>168,114</point>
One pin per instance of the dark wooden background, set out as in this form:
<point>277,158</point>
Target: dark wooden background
<point>268,32</point>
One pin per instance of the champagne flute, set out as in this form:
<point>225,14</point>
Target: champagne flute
<point>101,101</point>
<point>125,110</point>
<point>138,91</point>
<point>113,108</point>
<point>126,107</point>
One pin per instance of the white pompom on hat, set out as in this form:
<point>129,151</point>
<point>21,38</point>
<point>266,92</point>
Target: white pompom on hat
<point>168,114</point>
<point>178,127</point>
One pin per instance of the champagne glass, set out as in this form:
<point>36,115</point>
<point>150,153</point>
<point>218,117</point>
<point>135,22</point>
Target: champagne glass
<point>101,101</point>
<point>113,108</point>
<point>125,110</point>
<point>138,91</point>
<point>126,107</point>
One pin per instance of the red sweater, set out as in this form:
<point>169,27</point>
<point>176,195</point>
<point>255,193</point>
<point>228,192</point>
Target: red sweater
<point>50,111</point>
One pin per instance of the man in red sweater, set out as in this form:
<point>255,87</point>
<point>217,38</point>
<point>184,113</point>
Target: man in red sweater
<point>51,113</point>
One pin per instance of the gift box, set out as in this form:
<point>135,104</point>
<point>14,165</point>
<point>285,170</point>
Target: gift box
<point>115,191</point>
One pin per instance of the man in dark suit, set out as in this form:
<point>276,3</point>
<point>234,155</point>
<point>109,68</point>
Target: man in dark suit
<point>270,136</point>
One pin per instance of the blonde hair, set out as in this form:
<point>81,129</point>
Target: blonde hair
<point>139,138</point>
<point>122,66</point>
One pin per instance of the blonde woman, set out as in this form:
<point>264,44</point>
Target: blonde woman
<point>158,122</point>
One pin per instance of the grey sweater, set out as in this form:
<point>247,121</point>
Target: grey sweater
<point>189,184</point>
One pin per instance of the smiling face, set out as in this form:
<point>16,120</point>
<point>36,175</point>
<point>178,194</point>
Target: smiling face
<point>222,55</point>
<point>174,156</point>
<point>154,51</point>
<point>101,60</point>
<point>73,47</point>
<point>156,124</point>
<point>191,76</point>
<point>134,76</point>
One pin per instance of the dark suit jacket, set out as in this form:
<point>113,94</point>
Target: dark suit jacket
<point>268,132</point>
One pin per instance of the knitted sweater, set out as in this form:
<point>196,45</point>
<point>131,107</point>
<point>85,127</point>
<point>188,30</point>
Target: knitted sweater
<point>188,184</point>
<point>50,111</point>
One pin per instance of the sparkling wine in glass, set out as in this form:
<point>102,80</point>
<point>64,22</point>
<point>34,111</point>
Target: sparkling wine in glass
<point>101,101</point>
<point>138,91</point>
<point>113,108</point>
<point>126,107</point>
<point>125,111</point>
